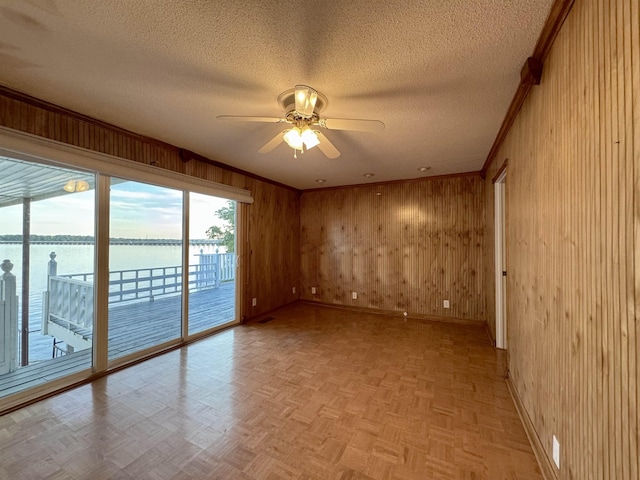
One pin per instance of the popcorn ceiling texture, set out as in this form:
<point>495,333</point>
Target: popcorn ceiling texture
<point>439,74</point>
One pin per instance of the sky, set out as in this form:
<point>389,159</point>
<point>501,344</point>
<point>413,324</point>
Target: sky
<point>138,210</point>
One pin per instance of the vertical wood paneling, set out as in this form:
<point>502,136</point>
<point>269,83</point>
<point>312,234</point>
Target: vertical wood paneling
<point>274,247</point>
<point>401,246</point>
<point>273,231</point>
<point>634,322</point>
<point>573,228</point>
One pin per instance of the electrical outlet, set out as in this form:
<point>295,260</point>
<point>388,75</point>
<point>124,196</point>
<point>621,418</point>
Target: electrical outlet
<point>293,290</point>
<point>446,304</point>
<point>556,452</point>
<point>313,290</point>
<point>254,302</point>
<point>354,295</point>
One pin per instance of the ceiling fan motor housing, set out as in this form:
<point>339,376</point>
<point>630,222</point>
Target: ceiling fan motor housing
<point>299,121</point>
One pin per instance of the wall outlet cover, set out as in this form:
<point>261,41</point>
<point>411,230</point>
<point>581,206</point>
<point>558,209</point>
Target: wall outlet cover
<point>254,302</point>
<point>446,304</point>
<point>293,290</point>
<point>354,295</point>
<point>313,290</point>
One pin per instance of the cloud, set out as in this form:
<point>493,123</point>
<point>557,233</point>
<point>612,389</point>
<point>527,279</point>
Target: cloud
<point>137,210</point>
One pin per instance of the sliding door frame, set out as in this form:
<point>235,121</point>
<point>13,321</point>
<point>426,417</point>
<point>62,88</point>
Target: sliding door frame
<point>27,147</point>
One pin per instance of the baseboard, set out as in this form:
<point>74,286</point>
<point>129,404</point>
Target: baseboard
<point>249,319</point>
<point>489,336</point>
<point>430,318</point>
<point>548,471</point>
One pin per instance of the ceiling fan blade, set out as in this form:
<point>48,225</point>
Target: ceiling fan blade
<point>239,118</point>
<point>326,146</point>
<point>351,124</point>
<point>273,143</point>
<point>306,98</point>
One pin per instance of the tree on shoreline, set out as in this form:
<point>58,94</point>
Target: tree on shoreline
<point>227,231</point>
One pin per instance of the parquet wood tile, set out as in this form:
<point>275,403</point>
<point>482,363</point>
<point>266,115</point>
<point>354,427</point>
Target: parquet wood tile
<point>317,393</point>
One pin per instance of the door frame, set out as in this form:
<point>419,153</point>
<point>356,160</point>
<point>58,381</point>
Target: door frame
<point>500,257</point>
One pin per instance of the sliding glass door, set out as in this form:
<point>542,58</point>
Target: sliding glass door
<point>212,262</point>
<point>98,269</point>
<point>46,283</point>
<point>145,266</point>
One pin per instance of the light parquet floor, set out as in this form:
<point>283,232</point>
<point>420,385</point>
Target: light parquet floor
<point>316,393</point>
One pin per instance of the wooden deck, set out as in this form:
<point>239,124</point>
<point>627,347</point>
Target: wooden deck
<point>133,327</point>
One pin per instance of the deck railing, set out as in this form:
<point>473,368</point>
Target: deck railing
<point>67,312</point>
<point>68,301</point>
<point>148,283</point>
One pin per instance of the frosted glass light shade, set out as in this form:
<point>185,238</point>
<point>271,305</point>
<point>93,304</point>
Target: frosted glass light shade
<point>293,138</point>
<point>309,138</point>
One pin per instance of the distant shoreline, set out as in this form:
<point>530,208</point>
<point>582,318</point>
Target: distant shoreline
<point>113,241</point>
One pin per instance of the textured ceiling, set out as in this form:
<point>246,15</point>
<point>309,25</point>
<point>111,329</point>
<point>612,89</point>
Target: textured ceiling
<point>440,74</point>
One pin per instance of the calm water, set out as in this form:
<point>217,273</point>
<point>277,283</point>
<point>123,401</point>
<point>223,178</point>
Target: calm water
<point>79,259</point>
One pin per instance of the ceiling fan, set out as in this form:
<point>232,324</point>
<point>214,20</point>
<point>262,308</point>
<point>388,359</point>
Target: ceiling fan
<point>302,106</point>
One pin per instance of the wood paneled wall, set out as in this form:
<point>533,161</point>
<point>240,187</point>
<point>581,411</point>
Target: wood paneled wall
<point>573,246</point>
<point>401,246</point>
<point>271,222</point>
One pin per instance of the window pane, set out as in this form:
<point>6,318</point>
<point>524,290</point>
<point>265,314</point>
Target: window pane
<point>212,262</point>
<point>145,266</point>
<point>46,323</point>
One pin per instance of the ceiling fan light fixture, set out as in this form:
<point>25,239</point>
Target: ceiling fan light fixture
<point>309,138</point>
<point>302,106</point>
<point>293,138</point>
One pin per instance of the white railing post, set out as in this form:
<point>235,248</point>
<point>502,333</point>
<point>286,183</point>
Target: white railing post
<point>218,270</point>
<point>232,266</point>
<point>8,318</point>
<point>52,271</point>
<point>200,271</point>
<point>52,266</point>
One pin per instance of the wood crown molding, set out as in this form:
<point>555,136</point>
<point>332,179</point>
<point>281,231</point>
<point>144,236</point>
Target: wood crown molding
<point>531,70</point>
<point>394,182</point>
<point>500,170</point>
<point>187,155</point>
